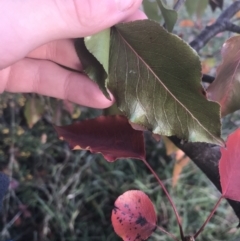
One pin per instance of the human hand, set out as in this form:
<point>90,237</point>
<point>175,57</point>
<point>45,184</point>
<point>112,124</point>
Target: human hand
<point>36,36</point>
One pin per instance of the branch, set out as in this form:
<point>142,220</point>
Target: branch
<point>232,27</point>
<point>178,4</point>
<point>222,24</point>
<point>206,157</point>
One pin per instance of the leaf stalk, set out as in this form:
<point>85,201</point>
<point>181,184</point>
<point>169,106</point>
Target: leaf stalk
<point>169,234</point>
<point>169,198</point>
<point>208,218</point>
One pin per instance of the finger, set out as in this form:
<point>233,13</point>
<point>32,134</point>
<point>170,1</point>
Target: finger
<point>46,78</point>
<point>138,15</point>
<point>61,51</point>
<point>34,23</point>
<point>103,14</point>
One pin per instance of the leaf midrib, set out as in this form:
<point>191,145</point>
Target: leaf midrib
<point>165,87</point>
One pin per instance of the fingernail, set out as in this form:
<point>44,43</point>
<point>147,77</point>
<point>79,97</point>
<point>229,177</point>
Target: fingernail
<point>124,5</point>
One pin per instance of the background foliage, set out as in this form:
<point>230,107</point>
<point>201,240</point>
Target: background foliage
<point>57,194</point>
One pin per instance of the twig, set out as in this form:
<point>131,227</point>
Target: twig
<point>178,4</point>
<point>208,218</point>
<point>222,24</point>
<point>232,27</point>
<point>206,157</point>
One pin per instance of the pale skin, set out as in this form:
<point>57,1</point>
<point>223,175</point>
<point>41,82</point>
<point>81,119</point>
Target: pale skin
<point>37,34</point>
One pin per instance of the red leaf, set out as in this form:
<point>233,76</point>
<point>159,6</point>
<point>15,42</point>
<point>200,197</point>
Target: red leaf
<point>134,217</point>
<point>113,136</point>
<point>229,167</point>
<point>225,88</point>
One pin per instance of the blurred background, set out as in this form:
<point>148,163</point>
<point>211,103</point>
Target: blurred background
<point>57,194</point>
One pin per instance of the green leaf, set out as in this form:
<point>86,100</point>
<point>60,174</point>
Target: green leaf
<point>201,7</point>
<point>197,7</point>
<point>170,16</point>
<point>99,45</point>
<point>33,111</point>
<point>191,7</point>
<point>91,65</point>
<point>151,10</point>
<point>155,77</point>
<point>226,88</point>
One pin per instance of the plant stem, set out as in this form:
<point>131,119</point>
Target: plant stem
<point>169,198</point>
<point>178,4</point>
<point>208,218</point>
<point>169,234</point>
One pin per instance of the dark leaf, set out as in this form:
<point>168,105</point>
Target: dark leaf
<point>151,10</point>
<point>133,216</point>
<point>98,45</point>
<point>92,67</point>
<point>229,167</point>
<point>216,4</point>
<point>206,157</point>
<point>170,16</point>
<point>112,136</point>
<point>155,77</point>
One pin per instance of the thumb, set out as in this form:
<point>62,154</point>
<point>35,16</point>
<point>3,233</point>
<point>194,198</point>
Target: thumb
<point>29,24</point>
<point>94,16</point>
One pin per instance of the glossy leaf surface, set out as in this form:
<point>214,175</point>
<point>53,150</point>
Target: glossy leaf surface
<point>133,216</point>
<point>229,167</point>
<point>226,87</point>
<point>112,136</point>
<point>155,78</point>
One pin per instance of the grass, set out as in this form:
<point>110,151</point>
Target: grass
<point>57,194</point>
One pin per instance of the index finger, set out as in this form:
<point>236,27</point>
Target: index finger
<point>63,51</point>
